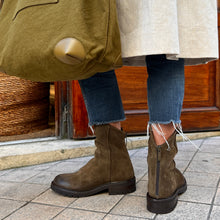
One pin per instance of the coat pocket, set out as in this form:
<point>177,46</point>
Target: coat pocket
<point>25,4</point>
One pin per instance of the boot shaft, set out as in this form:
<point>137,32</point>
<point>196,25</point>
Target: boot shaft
<point>111,145</point>
<point>164,178</point>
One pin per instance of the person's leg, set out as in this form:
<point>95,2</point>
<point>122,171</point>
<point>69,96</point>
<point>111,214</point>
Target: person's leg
<point>165,94</point>
<point>102,98</point>
<point>111,167</point>
<point>165,99</point>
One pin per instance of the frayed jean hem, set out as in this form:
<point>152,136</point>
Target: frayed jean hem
<point>105,122</point>
<point>165,122</point>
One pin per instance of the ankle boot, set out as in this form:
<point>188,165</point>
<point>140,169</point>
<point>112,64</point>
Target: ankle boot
<point>165,181</point>
<point>110,170</point>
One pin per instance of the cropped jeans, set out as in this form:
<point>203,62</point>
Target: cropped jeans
<point>165,89</point>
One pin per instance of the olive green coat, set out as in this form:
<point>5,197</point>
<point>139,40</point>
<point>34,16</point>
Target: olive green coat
<point>30,30</point>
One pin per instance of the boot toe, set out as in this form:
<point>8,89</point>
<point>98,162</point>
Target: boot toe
<point>62,181</point>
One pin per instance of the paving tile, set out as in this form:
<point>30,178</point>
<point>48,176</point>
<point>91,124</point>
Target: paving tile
<point>51,198</point>
<point>133,152</point>
<point>182,164</point>
<point>68,167</point>
<point>35,211</point>
<point>141,189</point>
<point>3,172</point>
<point>140,166</point>
<point>18,175</point>
<point>215,213</point>
<point>145,177</point>
<point>132,206</point>
<point>139,172</point>
<point>211,147</point>
<point>201,179</point>
<point>201,156</point>
<point>79,159</point>
<point>142,152</point>
<point>187,211</point>
<point>40,167</point>
<point>74,214</point>
<point>9,206</point>
<point>118,217</point>
<point>187,146</point>
<point>100,203</point>
<point>198,194</point>
<point>213,140</point>
<point>44,178</point>
<point>203,167</point>
<point>217,197</point>
<point>205,162</point>
<point>21,191</point>
<point>139,161</point>
<point>184,155</point>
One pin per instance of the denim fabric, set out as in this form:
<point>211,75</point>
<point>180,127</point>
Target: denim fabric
<point>102,98</point>
<point>165,86</point>
<point>165,93</point>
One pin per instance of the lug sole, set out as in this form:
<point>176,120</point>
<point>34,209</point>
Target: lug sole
<point>113,188</point>
<point>166,205</point>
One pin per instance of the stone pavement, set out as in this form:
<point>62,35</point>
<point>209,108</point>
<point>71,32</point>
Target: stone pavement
<point>25,192</point>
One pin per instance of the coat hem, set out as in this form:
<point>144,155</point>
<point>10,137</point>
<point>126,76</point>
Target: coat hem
<point>188,61</point>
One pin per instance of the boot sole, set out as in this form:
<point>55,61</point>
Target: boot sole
<point>113,188</point>
<point>163,206</point>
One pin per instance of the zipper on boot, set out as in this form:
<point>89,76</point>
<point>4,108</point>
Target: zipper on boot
<point>158,169</point>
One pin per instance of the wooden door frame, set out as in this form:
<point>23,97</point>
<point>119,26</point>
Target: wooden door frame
<point>63,111</point>
<point>68,122</point>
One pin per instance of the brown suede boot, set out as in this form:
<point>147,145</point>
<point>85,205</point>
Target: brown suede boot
<point>110,169</point>
<point>165,181</point>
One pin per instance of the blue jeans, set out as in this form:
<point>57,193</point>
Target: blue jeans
<point>165,87</point>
